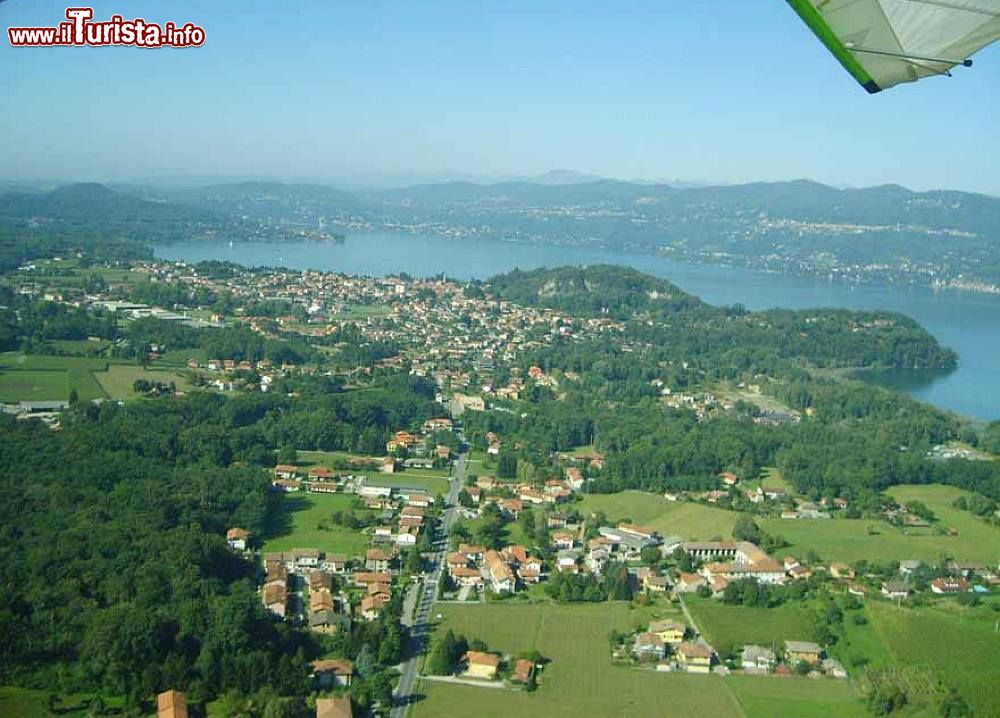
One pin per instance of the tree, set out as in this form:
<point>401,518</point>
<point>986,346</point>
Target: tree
<point>364,664</point>
<point>953,705</point>
<point>746,529</point>
<point>651,555</point>
<point>507,465</point>
<point>287,454</point>
<point>449,649</point>
<point>414,562</point>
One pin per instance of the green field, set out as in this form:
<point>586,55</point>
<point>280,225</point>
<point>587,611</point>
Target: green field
<point>962,650</point>
<point>671,518</point>
<point>42,377</point>
<point>38,377</point>
<point>770,696</point>
<point>304,512</point>
<point>848,539</point>
<point>736,625</point>
<point>581,680</point>
<point>118,380</point>
<point>27,703</point>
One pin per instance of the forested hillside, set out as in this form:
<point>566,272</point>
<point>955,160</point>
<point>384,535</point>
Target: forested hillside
<point>681,327</point>
<point>115,576</point>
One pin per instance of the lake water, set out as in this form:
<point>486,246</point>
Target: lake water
<point>967,322</point>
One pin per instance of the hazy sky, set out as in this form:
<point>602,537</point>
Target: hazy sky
<point>730,90</point>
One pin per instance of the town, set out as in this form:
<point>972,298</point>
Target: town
<point>477,530</point>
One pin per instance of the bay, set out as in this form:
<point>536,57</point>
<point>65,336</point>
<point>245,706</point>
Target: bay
<point>967,322</point>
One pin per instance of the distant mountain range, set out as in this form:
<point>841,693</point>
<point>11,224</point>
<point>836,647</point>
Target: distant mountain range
<point>885,233</point>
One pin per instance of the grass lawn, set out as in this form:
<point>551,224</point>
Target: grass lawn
<point>671,518</point>
<point>848,539</point>
<point>117,381</point>
<point>962,650</point>
<point>581,680</point>
<point>304,512</point>
<point>737,625</point>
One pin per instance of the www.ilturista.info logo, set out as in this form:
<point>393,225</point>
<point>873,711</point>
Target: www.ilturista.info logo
<point>80,30</point>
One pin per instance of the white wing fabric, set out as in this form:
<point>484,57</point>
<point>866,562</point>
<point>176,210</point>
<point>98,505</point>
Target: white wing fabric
<point>887,42</point>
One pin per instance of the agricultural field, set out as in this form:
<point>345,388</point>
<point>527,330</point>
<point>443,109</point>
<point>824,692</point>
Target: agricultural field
<point>671,518</point>
<point>304,514</point>
<point>721,623</point>
<point>581,680</point>
<point>118,380</point>
<point>850,539</point>
<point>960,649</point>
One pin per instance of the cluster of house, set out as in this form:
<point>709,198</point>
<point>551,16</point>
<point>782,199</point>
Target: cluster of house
<point>511,498</point>
<point>501,571</point>
<point>760,659</point>
<point>403,514</point>
<point>317,479</point>
<point>666,637</point>
<point>962,577</point>
<point>670,645</point>
<point>483,665</point>
<point>287,571</point>
<point>624,542</point>
<point>328,611</point>
<point>418,444</point>
<point>726,561</point>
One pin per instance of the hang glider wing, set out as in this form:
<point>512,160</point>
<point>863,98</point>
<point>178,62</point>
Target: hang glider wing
<point>887,42</point>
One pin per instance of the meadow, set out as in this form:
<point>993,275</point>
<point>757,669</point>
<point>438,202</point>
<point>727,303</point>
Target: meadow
<point>581,679</point>
<point>304,513</point>
<point>671,518</point>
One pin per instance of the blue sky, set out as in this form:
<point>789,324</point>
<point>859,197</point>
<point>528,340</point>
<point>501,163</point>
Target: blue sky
<point>346,89</point>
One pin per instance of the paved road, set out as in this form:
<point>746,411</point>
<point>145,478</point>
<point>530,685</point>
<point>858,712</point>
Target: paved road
<point>422,596</point>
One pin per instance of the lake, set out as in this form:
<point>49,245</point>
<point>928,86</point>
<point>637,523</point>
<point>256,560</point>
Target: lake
<point>967,322</point>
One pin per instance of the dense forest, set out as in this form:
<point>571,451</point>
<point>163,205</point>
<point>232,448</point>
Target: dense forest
<point>115,576</point>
